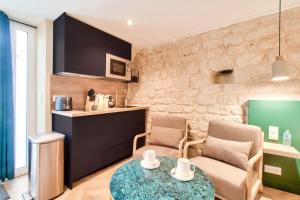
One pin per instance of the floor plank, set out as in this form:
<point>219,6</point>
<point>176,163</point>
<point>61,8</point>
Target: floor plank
<point>96,186</point>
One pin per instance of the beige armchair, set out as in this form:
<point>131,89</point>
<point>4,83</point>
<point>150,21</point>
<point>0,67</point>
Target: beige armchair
<point>167,137</point>
<point>232,182</point>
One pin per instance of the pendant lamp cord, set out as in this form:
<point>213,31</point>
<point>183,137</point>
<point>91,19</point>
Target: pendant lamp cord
<point>279,31</point>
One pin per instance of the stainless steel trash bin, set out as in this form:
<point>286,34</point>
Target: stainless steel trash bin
<point>46,165</point>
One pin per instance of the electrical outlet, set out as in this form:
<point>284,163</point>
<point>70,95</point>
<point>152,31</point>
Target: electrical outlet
<point>273,170</point>
<point>273,132</point>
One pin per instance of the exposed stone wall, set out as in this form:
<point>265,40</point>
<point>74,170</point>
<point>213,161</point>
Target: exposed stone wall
<point>176,78</point>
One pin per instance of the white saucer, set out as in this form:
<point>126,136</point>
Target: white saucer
<point>154,165</point>
<point>186,178</point>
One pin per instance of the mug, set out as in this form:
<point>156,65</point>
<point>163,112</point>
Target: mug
<point>183,167</point>
<point>149,157</point>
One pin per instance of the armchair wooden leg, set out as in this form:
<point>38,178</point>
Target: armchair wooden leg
<point>261,188</point>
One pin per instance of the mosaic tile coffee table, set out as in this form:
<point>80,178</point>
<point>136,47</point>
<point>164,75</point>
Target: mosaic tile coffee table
<point>132,182</point>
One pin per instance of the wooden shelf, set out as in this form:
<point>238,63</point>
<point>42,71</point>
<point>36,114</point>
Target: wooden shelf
<point>281,150</point>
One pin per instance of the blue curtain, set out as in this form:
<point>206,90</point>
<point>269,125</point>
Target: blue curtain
<point>6,102</point>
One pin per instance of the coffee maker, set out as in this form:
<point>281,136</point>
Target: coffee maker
<point>98,101</point>
<point>90,104</point>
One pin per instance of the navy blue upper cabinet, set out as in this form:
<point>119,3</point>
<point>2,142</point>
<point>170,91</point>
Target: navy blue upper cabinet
<point>80,48</point>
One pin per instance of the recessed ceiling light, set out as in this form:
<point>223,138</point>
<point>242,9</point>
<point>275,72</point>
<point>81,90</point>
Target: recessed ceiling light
<point>129,22</point>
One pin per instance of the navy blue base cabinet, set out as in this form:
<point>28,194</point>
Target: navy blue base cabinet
<point>96,141</point>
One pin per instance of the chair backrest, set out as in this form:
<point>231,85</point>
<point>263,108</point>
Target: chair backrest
<point>169,122</point>
<point>237,132</point>
<point>167,131</point>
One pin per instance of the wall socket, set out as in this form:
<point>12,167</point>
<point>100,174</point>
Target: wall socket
<point>273,132</point>
<point>273,170</point>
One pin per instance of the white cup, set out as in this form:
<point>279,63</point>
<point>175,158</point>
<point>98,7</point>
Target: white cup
<point>149,157</point>
<point>183,167</point>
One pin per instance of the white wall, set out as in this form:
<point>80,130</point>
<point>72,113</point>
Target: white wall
<point>44,70</point>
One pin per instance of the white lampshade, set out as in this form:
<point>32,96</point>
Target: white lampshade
<point>279,69</point>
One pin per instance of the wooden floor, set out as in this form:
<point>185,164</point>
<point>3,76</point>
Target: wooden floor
<point>96,187</point>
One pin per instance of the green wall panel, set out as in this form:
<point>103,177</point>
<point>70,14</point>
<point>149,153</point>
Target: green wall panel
<point>285,115</point>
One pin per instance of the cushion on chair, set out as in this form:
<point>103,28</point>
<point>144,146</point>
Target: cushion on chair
<point>161,151</point>
<point>229,181</point>
<point>169,122</point>
<point>169,137</point>
<point>236,132</point>
<point>232,152</point>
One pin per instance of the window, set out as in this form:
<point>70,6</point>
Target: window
<point>23,56</point>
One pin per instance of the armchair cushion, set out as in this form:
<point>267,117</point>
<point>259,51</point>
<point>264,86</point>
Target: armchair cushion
<point>236,132</point>
<point>229,181</point>
<point>159,150</point>
<point>168,137</point>
<point>232,152</point>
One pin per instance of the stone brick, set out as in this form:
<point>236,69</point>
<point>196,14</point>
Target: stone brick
<point>233,118</point>
<point>215,53</point>
<point>269,43</point>
<point>263,32</point>
<point>220,63</point>
<point>193,125</point>
<point>235,50</point>
<point>236,110</point>
<point>211,89</point>
<point>183,101</point>
<point>206,100</point>
<point>227,100</point>
<point>219,109</point>
<point>244,27</point>
<point>249,59</point>
<point>188,109</point>
<point>233,40</point>
<point>175,109</point>
<point>182,83</point>
<point>164,101</point>
<point>208,117</point>
<point>242,75</point>
<point>293,40</point>
<point>213,44</point>
<point>203,127</point>
<point>235,89</point>
<point>201,109</point>
<point>292,25</point>
<point>199,81</point>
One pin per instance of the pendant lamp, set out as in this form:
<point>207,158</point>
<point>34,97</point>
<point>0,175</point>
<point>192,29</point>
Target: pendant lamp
<point>279,67</point>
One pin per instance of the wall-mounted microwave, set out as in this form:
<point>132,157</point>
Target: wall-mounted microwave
<point>117,68</point>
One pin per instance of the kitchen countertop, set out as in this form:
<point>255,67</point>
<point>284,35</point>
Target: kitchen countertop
<point>80,113</point>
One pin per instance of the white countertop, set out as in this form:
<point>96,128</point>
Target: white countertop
<point>79,113</point>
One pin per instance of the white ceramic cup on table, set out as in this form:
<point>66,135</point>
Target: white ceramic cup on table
<point>149,157</point>
<point>183,168</point>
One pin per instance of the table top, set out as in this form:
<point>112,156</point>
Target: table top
<point>131,181</point>
<point>281,150</point>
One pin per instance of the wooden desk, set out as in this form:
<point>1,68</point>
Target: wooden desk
<point>281,150</point>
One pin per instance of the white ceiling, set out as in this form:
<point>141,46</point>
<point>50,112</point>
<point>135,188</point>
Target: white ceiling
<point>154,21</point>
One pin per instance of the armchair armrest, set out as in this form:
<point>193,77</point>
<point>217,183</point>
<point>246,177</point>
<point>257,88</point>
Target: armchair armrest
<point>254,185</point>
<point>136,138</point>
<point>188,144</point>
<point>254,160</point>
<point>181,144</point>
